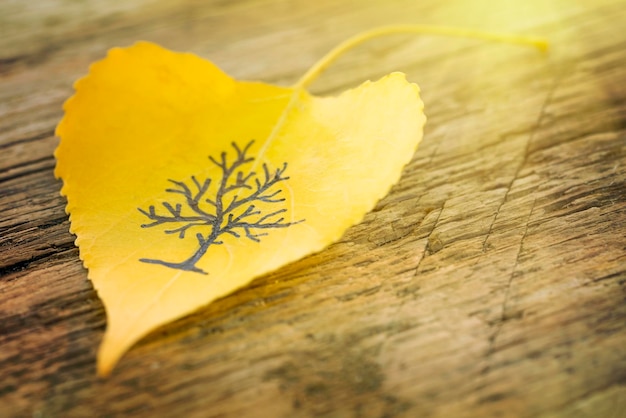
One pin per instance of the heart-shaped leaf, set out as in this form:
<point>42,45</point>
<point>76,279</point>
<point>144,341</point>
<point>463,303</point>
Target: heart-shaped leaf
<point>184,184</point>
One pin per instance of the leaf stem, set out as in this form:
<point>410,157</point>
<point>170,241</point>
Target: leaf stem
<point>358,39</point>
<point>300,87</point>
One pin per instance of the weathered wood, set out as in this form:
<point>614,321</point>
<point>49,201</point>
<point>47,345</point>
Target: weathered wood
<point>489,282</point>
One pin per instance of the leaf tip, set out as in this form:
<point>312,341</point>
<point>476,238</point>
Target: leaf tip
<point>110,352</point>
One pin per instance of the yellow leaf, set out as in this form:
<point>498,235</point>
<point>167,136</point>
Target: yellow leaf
<point>184,184</point>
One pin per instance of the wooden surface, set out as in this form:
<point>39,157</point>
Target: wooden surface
<point>489,282</point>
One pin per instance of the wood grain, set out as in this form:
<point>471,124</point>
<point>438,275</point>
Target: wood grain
<point>490,282</point>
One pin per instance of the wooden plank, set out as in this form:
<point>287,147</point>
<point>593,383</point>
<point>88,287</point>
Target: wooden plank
<point>489,282</point>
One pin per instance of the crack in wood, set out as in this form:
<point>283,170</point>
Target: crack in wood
<point>38,137</point>
<point>27,173</point>
<point>428,238</point>
<point>25,264</point>
<point>538,124</point>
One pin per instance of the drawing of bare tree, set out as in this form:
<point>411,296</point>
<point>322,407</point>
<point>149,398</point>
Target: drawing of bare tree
<point>230,212</point>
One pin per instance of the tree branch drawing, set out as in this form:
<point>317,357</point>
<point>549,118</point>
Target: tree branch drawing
<point>231,211</point>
